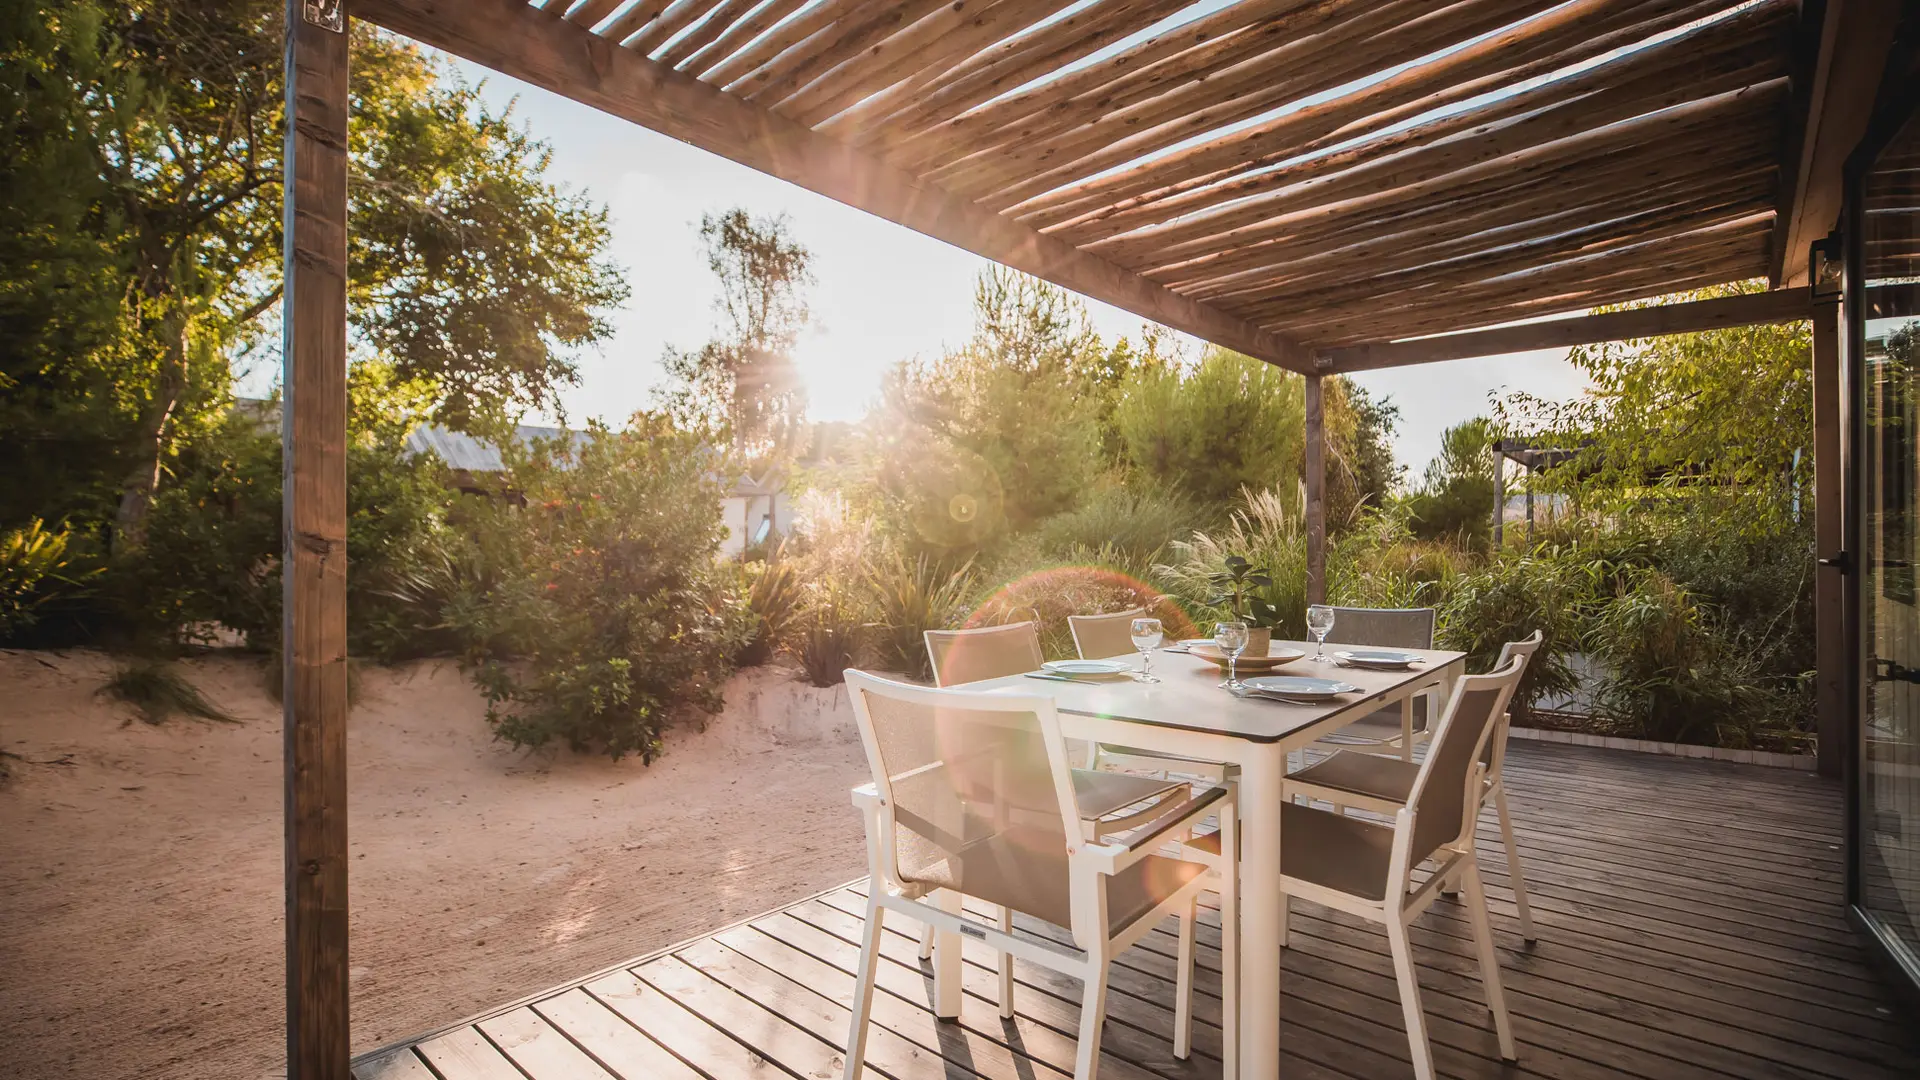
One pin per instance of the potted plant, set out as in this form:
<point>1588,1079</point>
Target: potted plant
<point>1237,587</point>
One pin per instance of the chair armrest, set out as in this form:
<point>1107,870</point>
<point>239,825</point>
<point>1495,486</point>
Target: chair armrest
<point>1112,858</point>
<point>1153,833</point>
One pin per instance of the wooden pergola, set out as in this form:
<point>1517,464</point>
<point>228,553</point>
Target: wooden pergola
<point>1324,185</point>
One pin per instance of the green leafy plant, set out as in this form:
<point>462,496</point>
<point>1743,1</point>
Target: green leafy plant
<point>773,596</point>
<point>1237,586</point>
<point>37,565</point>
<point>611,616</point>
<point>912,597</point>
<point>1507,599</point>
<point>830,636</point>
<point>159,691</point>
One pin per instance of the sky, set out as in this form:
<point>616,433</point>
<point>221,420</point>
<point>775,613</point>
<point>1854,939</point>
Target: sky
<point>882,293</point>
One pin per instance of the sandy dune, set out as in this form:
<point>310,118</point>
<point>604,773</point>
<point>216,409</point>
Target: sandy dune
<point>140,924</point>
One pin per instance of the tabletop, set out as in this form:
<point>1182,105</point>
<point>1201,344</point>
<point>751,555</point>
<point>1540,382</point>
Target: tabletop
<point>1189,696</point>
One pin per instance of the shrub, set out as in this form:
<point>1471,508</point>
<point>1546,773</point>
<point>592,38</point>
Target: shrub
<point>830,635</point>
<point>773,596</point>
<point>1229,423</point>
<point>614,616</point>
<point>1672,674</point>
<point>1093,586</point>
<point>38,566</point>
<point>1507,599</point>
<point>1269,533</point>
<point>159,691</point>
<point>912,596</point>
<point>1137,522</point>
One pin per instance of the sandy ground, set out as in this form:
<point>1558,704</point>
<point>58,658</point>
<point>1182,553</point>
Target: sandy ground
<point>140,895</point>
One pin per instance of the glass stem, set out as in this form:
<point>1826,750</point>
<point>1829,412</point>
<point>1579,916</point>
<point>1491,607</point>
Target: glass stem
<point>1233,661</point>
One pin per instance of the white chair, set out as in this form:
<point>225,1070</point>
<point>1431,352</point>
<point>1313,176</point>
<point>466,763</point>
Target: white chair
<point>1365,868</point>
<point>1382,784</point>
<point>972,795</point>
<point>1384,730</point>
<point>1099,637</point>
<point>1109,800</point>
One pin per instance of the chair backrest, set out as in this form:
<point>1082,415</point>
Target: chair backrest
<point>1494,756</point>
<point>964,656</point>
<point>1445,800</point>
<point>957,771</point>
<point>1100,636</point>
<point>1388,628</point>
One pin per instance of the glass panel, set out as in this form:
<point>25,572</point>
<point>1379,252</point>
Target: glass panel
<point>1890,612</point>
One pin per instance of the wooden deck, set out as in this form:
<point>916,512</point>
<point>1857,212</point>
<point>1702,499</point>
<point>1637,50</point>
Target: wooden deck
<point>1690,925</point>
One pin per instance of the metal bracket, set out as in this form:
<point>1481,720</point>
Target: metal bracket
<point>331,14</point>
<point>1824,267</point>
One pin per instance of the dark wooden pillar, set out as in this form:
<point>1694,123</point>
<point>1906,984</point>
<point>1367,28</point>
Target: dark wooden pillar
<point>1499,497</point>
<point>1829,626</point>
<point>314,559</point>
<point>1316,477</point>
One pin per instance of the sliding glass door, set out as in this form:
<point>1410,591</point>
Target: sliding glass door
<point>1883,297</point>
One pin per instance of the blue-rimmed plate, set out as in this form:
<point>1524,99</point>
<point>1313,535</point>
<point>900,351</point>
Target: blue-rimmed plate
<point>1087,667</point>
<point>1299,688</point>
<point>1383,659</point>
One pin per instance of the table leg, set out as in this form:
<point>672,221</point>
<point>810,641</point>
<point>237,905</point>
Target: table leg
<point>1262,911</point>
<point>946,961</point>
<point>1406,727</point>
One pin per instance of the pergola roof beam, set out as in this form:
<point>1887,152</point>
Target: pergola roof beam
<point>1747,309</point>
<point>541,48</point>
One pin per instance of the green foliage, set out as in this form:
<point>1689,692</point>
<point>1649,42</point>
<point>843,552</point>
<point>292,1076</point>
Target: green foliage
<point>1509,598</point>
<point>1268,532</point>
<point>995,434</point>
<point>143,239</point>
<point>159,691</point>
<point>831,634</point>
<point>1133,521</point>
<point>609,614</point>
<point>1455,501</point>
<point>773,597</point>
<point>1238,586</point>
<point>1674,675</point>
<point>1227,424</point>
<point>38,566</point>
<point>912,596</point>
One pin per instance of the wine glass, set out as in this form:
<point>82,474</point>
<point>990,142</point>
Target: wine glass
<point>1320,624</point>
<point>1147,635</point>
<point>1231,637</point>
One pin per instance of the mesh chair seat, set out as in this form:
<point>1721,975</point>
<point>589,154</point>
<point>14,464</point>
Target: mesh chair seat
<point>1362,774</point>
<point>1339,852</point>
<point>1021,869</point>
<point>1381,725</point>
<point>1101,793</point>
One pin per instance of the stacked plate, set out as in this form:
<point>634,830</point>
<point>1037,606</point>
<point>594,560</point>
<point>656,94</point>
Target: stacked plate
<point>1297,689</point>
<point>1380,659</point>
<point>1082,669</point>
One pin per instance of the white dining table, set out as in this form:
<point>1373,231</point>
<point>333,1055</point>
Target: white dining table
<point>1189,714</point>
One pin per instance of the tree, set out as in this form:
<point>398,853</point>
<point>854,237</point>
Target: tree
<point>1366,458</point>
<point>154,131</point>
<point>998,430</point>
<point>744,383</point>
<point>1226,425</point>
<point>1455,501</point>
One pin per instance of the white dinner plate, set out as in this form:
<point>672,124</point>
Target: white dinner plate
<point>1296,686</point>
<point>1379,658</point>
<point>1087,667</point>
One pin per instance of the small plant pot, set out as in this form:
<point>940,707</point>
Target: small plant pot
<point>1259,639</point>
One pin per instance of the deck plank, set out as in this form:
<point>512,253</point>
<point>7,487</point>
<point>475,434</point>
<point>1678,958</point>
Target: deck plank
<point>1689,912</point>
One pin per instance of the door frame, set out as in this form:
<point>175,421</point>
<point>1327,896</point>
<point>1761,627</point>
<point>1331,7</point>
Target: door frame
<point>1895,108</point>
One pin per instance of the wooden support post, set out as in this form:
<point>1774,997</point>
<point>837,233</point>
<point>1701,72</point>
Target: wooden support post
<point>1316,478</point>
<point>1499,498</point>
<point>314,524</point>
<point>1830,652</point>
